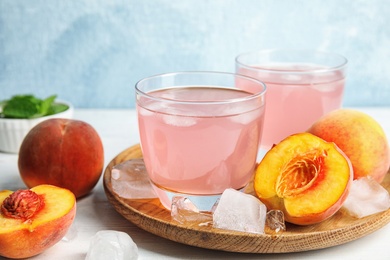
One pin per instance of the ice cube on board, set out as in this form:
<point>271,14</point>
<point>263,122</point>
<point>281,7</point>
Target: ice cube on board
<point>366,197</point>
<point>130,180</point>
<point>240,212</point>
<point>185,212</point>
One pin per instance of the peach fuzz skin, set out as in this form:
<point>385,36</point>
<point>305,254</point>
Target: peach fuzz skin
<point>26,238</point>
<point>305,177</point>
<point>63,152</point>
<point>360,137</point>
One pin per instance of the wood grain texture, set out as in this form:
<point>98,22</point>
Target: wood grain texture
<point>151,216</point>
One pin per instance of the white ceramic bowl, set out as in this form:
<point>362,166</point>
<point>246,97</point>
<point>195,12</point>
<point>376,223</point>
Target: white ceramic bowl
<point>13,131</point>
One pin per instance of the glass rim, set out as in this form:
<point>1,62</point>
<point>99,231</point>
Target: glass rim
<point>343,64</point>
<point>250,96</point>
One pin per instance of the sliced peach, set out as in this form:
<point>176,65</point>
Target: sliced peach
<point>305,177</point>
<point>33,220</point>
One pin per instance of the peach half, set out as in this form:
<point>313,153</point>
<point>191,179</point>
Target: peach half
<point>305,177</point>
<point>33,220</point>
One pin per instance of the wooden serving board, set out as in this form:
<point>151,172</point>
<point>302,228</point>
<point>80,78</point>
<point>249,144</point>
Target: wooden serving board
<point>151,216</point>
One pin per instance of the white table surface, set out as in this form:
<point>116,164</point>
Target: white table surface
<point>118,130</point>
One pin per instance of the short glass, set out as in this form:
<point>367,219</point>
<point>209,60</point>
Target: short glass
<point>302,85</point>
<point>199,133</point>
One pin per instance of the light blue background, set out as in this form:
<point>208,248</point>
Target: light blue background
<point>92,52</point>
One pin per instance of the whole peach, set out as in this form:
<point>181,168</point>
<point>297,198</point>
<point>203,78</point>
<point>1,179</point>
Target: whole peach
<point>66,153</point>
<point>360,137</point>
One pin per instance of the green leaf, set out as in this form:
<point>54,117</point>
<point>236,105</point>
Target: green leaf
<point>45,106</point>
<point>28,106</point>
<point>57,108</point>
<point>22,106</point>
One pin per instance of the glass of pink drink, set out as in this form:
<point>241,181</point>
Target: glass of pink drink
<point>199,133</point>
<point>302,86</point>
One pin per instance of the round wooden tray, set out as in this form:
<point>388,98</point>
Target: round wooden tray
<point>151,216</point>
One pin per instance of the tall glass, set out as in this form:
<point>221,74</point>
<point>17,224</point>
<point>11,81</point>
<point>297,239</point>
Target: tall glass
<point>199,133</point>
<point>302,86</point>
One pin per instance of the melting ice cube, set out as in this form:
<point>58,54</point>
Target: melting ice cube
<point>185,212</point>
<point>181,121</point>
<point>246,117</point>
<point>366,197</point>
<point>130,180</point>
<point>112,245</point>
<point>239,211</point>
<point>275,220</point>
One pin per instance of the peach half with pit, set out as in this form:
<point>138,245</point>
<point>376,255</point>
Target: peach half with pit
<point>305,177</point>
<point>33,220</point>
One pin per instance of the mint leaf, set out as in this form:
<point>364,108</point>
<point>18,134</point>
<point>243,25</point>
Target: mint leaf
<point>57,108</point>
<point>21,107</point>
<point>45,106</point>
<point>28,106</point>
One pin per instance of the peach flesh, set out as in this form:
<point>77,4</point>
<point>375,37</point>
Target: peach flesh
<point>23,238</point>
<point>305,177</point>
